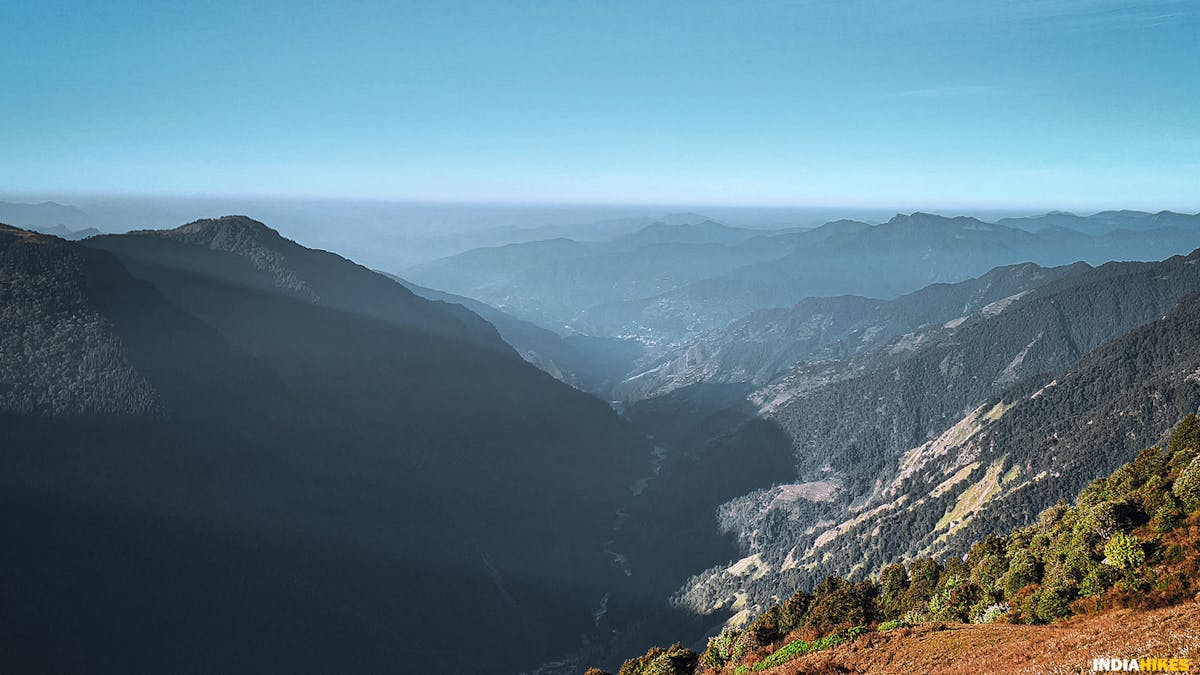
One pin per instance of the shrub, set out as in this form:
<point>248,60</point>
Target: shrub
<point>837,601</point>
<point>1022,571</point>
<point>674,660</point>
<point>1054,602</point>
<point>923,576</point>
<point>1124,552</point>
<point>893,625</point>
<point>765,628</point>
<point>1184,445</point>
<point>1187,486</point>
<point>794,609</point>
<point>954,599</point>
<point>1098,580</point>
<point>893,582</point>
<point>797,648</point>
<point>720,649</point>
<point>1168,516</point>
<point>992,612</point>
<point>1024,605</point>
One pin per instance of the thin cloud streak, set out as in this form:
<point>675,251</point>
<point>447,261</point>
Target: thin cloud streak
<point>949,92</point>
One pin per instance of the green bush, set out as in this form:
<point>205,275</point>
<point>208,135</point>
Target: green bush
<point>1168,516</point>
<point>1100,579</point>
<point>720,649</point>
<point>1022,571</point>
<point>797,648</point>
<point>893,583</point>
<point>1185,442</point>
<point>953,601</point>
<point>1054,602</point>
<point>991,613</point>
<point>794,609</point>
<point>674,660</point>
<point>837,601</point>
<point>1124,552</point>
<point>1187,486</point>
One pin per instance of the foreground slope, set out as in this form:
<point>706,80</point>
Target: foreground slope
<point>1004,649</point>
<point>221,458</point>
<point>1129,540</point>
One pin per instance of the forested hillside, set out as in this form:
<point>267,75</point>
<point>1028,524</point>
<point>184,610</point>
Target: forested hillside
<point>1130,539</point>
<point>888,467</point>
<point>847,334</point>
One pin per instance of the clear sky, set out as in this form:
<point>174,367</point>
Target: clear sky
<point>1023,103</point>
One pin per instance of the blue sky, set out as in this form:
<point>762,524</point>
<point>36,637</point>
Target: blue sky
<point>941,103</point>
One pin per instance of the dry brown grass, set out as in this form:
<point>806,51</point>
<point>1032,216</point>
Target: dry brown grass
<point>1064,647</point>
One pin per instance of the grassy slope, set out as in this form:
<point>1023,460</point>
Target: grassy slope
<point>1063,647</point>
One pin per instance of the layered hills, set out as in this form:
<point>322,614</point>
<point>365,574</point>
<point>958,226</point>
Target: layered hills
<point>664,285</point>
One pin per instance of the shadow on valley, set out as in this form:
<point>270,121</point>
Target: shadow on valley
<point>207,471</point>
<point>713,448</point>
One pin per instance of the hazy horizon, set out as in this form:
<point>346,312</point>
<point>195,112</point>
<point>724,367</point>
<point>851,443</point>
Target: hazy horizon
<point>741,214</point>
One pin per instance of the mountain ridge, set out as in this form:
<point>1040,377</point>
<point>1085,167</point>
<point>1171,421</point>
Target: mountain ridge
<point>764,344</point>
<point>283,266</point>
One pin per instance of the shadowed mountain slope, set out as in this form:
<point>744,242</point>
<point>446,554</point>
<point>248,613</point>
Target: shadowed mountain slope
<point>242,465</point>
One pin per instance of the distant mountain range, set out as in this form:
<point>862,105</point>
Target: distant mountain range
<point>1103,222</point>
<point>667,285</point>
<point>549,281</point>
<point>60,220</point>
<point>43,214</point>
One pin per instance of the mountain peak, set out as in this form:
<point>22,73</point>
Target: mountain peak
<point>921,218</point>
<point>242,236</point>
<point>915,216</point>
<point>228,225</point>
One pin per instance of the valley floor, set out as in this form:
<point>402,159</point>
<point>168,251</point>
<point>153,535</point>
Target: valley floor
<point>1064,647</point>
